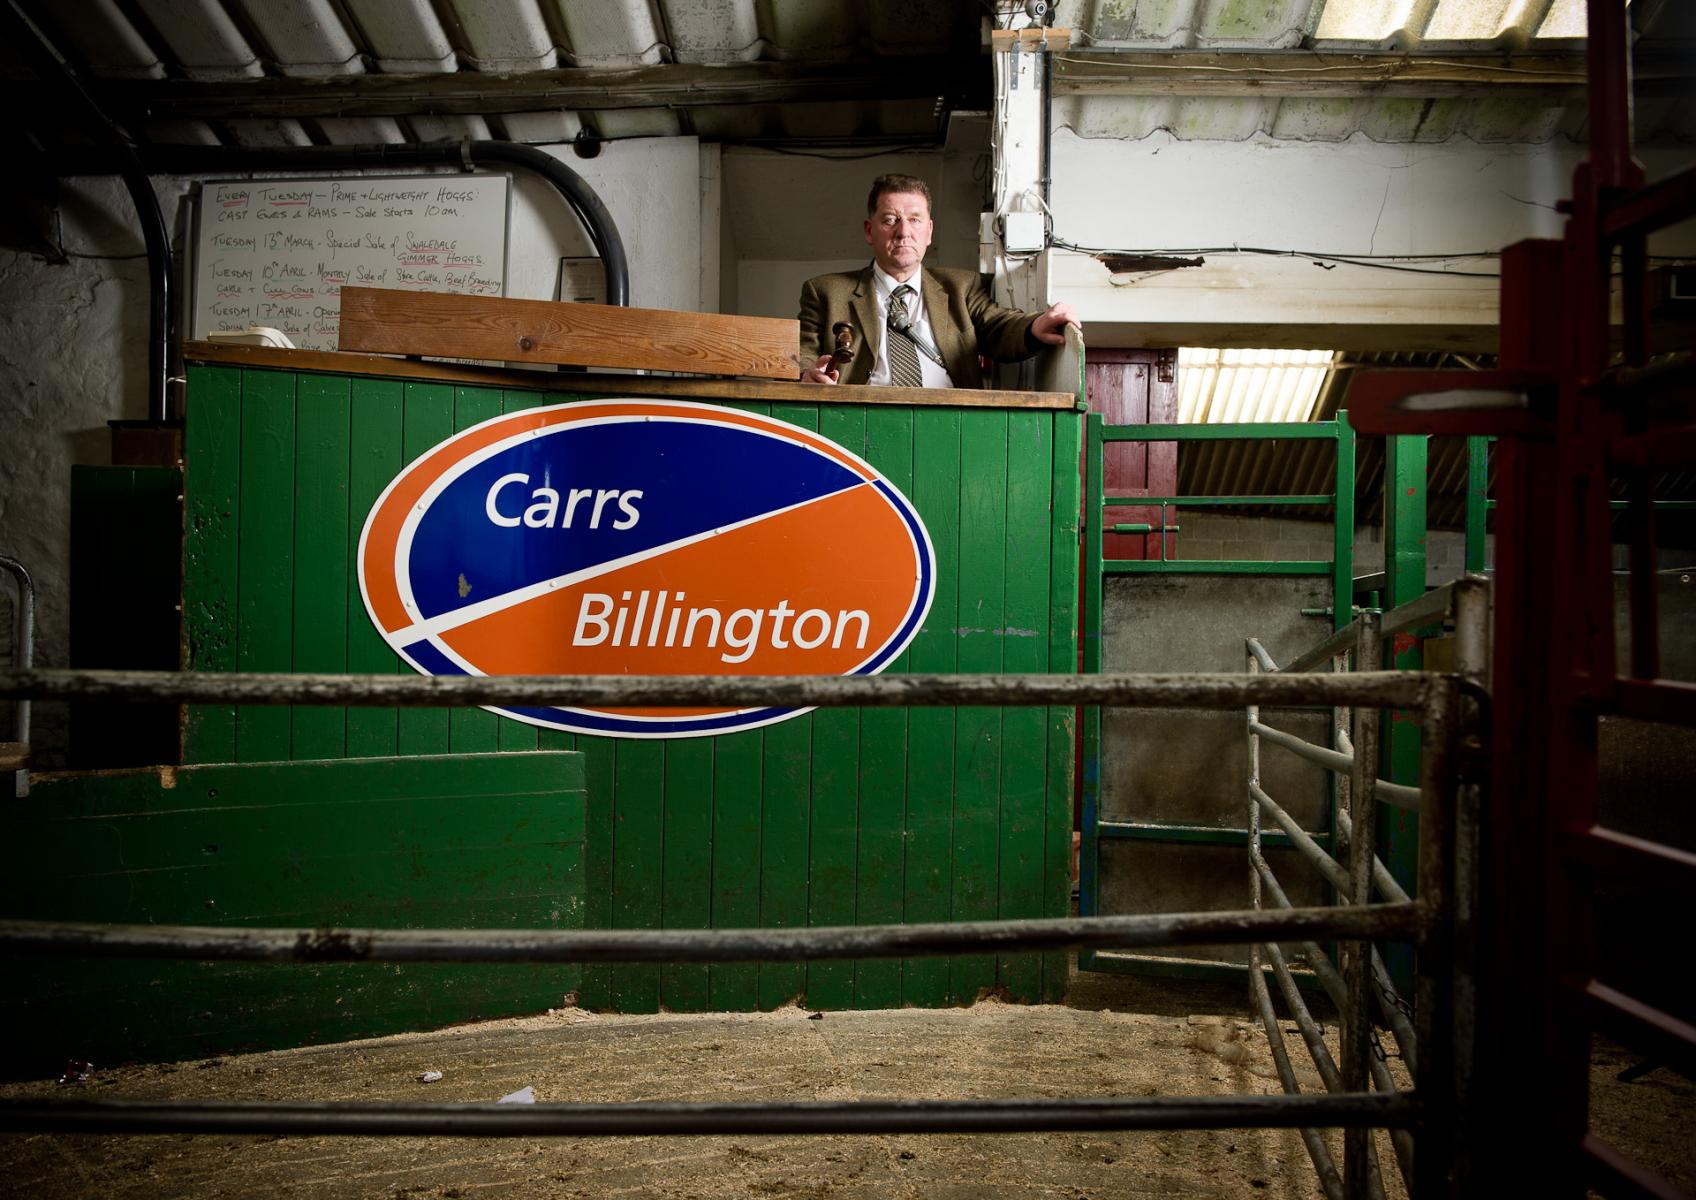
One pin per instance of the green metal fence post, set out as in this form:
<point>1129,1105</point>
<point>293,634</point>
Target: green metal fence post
<point>1342,526</point>
<point>1404,580</point>
<point>1477,500</point>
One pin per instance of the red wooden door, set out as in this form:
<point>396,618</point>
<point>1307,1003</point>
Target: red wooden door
<point>1136,387</point>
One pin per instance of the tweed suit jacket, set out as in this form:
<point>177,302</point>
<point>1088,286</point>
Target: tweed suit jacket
<point>963,318</point>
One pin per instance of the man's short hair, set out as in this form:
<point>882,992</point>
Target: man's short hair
<point>896,183</point>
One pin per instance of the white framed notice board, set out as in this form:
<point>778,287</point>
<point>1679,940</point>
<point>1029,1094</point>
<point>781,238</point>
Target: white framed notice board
<point>276,252</point>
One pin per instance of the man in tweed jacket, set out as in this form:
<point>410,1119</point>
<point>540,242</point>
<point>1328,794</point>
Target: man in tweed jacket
<point>952,317</point>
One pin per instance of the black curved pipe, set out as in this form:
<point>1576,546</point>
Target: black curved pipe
<point>579,195</point>
<point>161,310</point>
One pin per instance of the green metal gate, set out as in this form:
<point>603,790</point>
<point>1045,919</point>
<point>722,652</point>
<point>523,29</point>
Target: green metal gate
<point>1165,844</point>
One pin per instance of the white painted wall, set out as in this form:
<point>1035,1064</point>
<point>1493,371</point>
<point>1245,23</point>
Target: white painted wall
<point>793,216</point>
<point>1356,197</point>
<point>73,338</point>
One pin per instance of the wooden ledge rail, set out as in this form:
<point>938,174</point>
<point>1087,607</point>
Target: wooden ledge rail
<point>328,362</point>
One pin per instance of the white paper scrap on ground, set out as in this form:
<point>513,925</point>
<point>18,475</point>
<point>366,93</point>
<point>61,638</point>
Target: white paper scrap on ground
<point>430,1077</point>
<point>524,1095</point>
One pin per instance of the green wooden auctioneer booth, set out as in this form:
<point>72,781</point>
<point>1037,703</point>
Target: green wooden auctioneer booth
<point>837,817</point>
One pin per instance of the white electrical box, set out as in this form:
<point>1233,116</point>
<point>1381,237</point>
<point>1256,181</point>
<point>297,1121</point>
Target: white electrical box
<point>1022,232</point>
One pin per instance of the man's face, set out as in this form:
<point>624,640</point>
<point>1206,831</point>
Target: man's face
<point>898,231</point>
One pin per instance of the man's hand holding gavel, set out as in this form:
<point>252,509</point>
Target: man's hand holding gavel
<point>825,370</point>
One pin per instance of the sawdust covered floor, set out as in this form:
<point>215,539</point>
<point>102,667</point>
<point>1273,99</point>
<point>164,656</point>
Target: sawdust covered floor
<point>989,1050</point>
<point>1194,1043</point>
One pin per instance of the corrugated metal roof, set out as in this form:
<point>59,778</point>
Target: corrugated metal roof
<point>359,54</point>
<point>1217,387</point>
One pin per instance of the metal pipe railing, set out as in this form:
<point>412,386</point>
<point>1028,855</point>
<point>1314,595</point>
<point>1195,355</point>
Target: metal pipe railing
<point>1389,1000</point>
<point>1323,1166</point>
<point>1397,794</point>
<point>707,1119</point>
<point>1321,1054</point>
<point>1447,852</point>
<point>1358,921</point>
<point>1357,1016</point>
<point>244,944</point>
<point>1390,689</point>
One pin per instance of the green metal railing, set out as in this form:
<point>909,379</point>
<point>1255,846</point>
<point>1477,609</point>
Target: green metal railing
<point>1339,568</point>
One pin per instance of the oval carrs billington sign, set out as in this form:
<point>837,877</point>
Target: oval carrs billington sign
<point>644,537</point>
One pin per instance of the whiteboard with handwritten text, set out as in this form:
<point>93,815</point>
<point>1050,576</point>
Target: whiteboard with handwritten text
<point>276,252</point>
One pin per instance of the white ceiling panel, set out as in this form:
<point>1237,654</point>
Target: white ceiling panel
<point>611,33</point>
<point>403,35</point>
<point>304,37</point>
<point>712,31</point>
<point>506,35</point>
<point>203,37</point>
<point>102,37</point>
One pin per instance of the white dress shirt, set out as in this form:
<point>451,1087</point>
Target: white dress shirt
<point>932,374</point>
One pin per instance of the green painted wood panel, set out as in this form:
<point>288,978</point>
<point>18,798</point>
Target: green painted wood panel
<point>737,790</point>
<point>321,538</point>
<point>786,819</point>
<point>375,426</point>
<point>638,831</point>
<point>1064,724</point>
<point>265,566</point>
<point>836,817</point>
<point>472,730</point>
<point>977,747</point>
<point>426,419</point>
<point>880,872</point>
<point>211,496</point>
<point>1024,649</point>
<point>931,732</point>
<point>835,794</point>
<point>687,880</point>
<point>485,840</point>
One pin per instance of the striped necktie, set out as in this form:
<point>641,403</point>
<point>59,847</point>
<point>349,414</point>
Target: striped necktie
<point>898,347</point>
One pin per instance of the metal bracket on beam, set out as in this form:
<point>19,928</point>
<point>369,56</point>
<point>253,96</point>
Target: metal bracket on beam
<point>1503,402</point>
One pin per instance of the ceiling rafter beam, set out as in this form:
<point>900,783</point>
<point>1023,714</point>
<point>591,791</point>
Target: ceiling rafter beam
<point>1307,73</point>
<point>574,88</point>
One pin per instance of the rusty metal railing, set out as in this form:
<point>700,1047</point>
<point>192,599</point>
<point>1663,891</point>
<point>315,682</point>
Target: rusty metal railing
<point>1355,1108</point>
<point>1445,888</point>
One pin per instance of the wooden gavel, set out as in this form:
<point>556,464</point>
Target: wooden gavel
<point>844,351</point>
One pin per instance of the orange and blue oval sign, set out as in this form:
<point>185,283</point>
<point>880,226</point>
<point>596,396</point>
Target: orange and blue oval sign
<point>644,537</point>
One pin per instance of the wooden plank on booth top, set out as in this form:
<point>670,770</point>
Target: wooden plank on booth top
<point>978,741</point>
<point>835,822</point>
<point>930,731</point>
<point>637,856</point>
<point>1064,565</point>
<point>880,878</point>
<point>212,500</point>
<point>322,537</point>
<point>737,789</point>
<point>375,435</point>
<point>445,325</point>
<point>1024,650</point>
<point>473,730</point>
<point>427,420</point>
<point>686,876</point>
<point>265,570</point>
